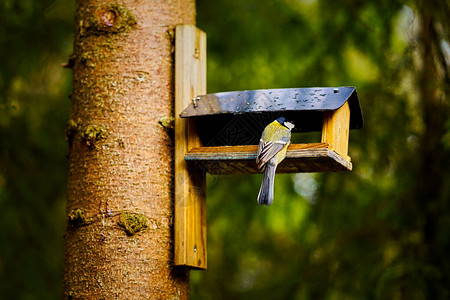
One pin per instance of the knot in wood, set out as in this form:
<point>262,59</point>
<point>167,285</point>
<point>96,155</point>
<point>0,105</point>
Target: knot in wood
<point>108,17</point>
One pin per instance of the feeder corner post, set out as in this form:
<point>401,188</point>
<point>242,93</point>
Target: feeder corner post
<point>335,131</point>
<point>190,182</point>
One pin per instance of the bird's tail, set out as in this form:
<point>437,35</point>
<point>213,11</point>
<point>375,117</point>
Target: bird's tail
<point>265,196</point>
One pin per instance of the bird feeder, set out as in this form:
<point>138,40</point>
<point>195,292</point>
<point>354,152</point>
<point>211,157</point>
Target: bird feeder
<point>231,123</point>
<point>219,134</point>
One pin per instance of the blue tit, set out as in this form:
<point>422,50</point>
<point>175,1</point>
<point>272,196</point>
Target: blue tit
<point>273,145</point>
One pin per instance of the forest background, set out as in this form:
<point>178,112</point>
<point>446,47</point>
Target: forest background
<point>381,231</point>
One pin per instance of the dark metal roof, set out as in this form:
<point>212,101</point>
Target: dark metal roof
<point>303,105</point>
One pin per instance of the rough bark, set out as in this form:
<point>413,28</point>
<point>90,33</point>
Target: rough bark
<point>119,236</point>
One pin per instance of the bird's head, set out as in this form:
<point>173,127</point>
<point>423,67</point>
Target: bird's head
<point>283,121</point>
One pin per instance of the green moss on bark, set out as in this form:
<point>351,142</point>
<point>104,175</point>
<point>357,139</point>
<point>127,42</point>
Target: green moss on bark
<point>92,134</point>
<point>88,134</point>
<point>168,122</point>
<point>71,131</point>
<point>132,223</point>
<point>76,218</point>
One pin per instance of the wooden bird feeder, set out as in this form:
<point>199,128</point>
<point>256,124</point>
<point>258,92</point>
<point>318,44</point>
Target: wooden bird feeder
<point>219,133</point>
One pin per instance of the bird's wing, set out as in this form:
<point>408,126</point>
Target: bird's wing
<point>267,150</point>
<point>260,149</point>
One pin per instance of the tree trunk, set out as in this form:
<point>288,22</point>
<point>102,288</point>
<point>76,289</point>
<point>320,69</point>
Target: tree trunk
<point>119,236</point>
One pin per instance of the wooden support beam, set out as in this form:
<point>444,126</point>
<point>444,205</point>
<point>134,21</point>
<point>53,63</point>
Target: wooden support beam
<point>335,131</point>
<point>315,157</point>
<point>190,182</point>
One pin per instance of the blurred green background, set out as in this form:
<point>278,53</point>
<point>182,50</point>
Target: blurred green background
<point>381,231</point>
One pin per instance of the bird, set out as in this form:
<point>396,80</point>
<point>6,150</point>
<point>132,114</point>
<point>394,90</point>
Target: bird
<point>272,148</point>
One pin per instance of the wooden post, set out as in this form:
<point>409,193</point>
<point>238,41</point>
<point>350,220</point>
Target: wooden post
<point>335,131</point>
<point>190,182</point>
